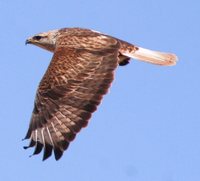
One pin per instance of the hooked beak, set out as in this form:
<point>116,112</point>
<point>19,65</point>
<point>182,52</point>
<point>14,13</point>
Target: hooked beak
<point>28,41</point>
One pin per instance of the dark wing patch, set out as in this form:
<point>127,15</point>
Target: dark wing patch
<point>70,91</point>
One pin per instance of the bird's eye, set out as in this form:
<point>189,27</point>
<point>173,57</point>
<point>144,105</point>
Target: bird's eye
<point>37,38</point>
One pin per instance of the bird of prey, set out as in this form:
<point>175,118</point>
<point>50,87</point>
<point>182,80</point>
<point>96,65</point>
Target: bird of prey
<point>79,74</point>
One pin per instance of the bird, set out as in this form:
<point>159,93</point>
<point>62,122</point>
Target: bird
<point>78,76</point>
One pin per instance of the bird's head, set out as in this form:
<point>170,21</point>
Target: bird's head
<point>45,40</point>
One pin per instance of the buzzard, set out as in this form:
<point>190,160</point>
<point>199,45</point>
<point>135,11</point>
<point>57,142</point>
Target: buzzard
<point>79,74</point>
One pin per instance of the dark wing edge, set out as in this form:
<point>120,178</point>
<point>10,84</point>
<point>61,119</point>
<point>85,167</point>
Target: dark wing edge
<point>65,101</point>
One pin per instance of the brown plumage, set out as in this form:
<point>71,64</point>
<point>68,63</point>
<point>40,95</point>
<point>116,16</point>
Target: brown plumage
<point>78,76</point>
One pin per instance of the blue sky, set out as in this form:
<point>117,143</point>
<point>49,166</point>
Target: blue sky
<point>148,126</point>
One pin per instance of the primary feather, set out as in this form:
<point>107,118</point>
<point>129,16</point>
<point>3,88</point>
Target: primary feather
<point>80,73</point>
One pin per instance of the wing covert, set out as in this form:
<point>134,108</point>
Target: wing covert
<point>70,91</point>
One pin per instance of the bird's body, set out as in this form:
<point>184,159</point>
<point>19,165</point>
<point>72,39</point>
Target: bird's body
<point>78,76</point>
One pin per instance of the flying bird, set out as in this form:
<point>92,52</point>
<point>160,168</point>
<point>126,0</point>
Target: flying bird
<point>79,74</point>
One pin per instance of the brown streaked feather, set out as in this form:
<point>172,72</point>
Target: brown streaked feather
<point>78,76</point>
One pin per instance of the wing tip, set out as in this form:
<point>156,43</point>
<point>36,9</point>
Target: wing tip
<point>58,154</point>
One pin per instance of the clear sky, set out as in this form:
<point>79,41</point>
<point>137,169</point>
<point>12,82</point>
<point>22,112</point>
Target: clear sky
<point>148,126</point>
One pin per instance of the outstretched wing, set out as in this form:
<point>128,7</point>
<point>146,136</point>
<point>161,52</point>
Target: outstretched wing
<point>79,74</point>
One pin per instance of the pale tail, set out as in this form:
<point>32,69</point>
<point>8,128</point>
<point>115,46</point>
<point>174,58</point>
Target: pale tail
<point>154,57</point>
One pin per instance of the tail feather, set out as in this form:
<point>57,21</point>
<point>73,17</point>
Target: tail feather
<point>154,57</point>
